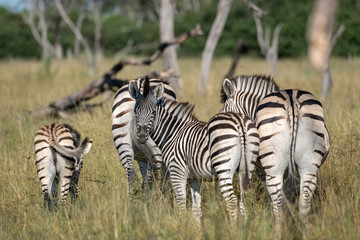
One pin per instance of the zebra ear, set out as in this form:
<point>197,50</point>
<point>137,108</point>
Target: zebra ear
<point>228,88</point>
<point>158,91</point>
<point>133,89</point>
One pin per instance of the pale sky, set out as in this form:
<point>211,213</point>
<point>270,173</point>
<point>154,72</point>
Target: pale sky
<point>15,5</point>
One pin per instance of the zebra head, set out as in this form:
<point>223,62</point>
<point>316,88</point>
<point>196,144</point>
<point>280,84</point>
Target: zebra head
<point>230,96</point>
<point>145,108</point>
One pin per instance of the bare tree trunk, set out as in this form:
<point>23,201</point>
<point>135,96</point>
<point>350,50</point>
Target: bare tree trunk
<point>270,51</point>
<point>322,40</point>
<point>57,45</point>
<point>211,42</point>
<point>79,22</point>
<point>76,31</point>
<point>236,56</point>
<point>166,34</point>
<point>37,9</point>
<point>98,26</point>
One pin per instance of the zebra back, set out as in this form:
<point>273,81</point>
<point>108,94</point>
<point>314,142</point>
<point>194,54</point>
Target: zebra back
<point>243,93</point>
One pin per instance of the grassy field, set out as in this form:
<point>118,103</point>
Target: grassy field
<point>104,210</point>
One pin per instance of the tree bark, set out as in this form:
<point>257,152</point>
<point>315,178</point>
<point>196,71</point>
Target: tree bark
<point>108,81</point>
<point>37,9</point>
<point>98,27</point>
<point>322,40</point>
<point>166,34</point>
<point>79,22</point>
<point>211,42</point>
<point>76,31</point>
<point>235,60</point>
<point>269,50</point>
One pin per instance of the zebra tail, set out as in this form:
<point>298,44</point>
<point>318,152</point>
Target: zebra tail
<point>292,179</point>
<point>69,153</point>
<point>243,140</point>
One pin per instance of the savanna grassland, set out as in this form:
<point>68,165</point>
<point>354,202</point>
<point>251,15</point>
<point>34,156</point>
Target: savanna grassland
<point>104,210</point>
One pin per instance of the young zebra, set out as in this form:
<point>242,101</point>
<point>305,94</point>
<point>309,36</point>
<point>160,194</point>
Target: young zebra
<point>193,150</point>
<point>292,134</point>
<point>125,142</point>
<point>59,154</point>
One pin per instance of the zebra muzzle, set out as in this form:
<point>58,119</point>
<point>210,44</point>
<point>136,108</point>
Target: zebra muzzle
<point>142,135</point>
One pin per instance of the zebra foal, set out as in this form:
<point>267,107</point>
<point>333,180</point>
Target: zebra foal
<point>193,150</point>
<point>59,155</point>
<point>122,125</point>
<point>292,132</point>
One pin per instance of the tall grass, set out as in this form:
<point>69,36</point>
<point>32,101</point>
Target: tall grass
<point>104,210</point>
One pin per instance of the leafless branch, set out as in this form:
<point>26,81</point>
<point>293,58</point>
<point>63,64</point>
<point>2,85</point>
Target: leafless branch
<point>236,56</point>
<point>108,81</point>
<point>336,36</point>
<point>258,12</point>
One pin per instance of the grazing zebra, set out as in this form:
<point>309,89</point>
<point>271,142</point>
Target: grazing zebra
<point>59,154</point>
<point>193,150</point>
<point>125,142</point>
<point>293,136</point>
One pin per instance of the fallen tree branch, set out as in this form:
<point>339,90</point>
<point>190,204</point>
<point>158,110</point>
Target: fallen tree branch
<point>107,81</point>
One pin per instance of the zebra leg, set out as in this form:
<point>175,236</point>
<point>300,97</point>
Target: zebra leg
<point>46,185</point>
<point>227,191</point>
<point>242,208</point>
<point>195,187</point>
<point>308,178</point>
<point>179,186</point>
<point>146,175</point>
<point>274,166</point>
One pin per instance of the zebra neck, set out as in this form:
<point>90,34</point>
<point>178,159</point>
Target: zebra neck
<point>170,120</point>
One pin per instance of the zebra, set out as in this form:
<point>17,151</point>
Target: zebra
<point>193,150</point>
<point>59,155</point>
<point>293,137</point>
<point>125,142</point>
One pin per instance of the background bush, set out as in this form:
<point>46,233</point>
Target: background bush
<point>16,39</point>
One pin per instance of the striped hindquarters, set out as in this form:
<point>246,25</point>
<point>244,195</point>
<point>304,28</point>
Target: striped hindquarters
<point>287,118</point>
<point>233,132</point>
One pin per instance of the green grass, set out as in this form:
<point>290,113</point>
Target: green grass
<point>104,210</point>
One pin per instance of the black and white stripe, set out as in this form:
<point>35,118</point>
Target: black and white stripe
<point>292,135</point>
<point>59,156</point>
<point>122,132</point>
<point>243,93</point>
<point>193,150</point>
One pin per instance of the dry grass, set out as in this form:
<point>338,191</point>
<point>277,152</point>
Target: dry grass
<point>104,211</point>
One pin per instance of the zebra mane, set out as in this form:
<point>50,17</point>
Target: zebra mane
<point>245,83</point>
<point>183,110</point>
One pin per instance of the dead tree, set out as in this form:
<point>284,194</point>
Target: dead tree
<point>97,31</point>
<point>107,81</point>
<point>322,40</point>
<point>79,22</point>
<point>211,42</point>
<point>235,60</point>
<point>268,48</point>
<point>36,10</point>
<point>79,36</point>
<point>166,34</point>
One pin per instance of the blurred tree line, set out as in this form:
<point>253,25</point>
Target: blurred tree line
<point>140,25</point>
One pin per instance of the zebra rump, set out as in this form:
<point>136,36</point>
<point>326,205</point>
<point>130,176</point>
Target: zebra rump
<point>59,157</point>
